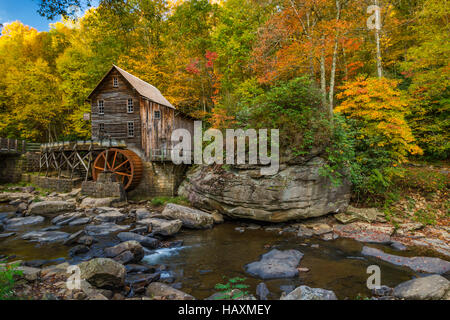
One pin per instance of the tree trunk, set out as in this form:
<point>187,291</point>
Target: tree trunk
<point>377,39</point>
<point>323,80</point>
<point>333,64</point>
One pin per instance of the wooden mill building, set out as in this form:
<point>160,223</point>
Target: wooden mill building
<point>126,108</point>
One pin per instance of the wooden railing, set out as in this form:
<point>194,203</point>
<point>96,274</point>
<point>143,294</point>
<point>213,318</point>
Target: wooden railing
<point>12,146</point>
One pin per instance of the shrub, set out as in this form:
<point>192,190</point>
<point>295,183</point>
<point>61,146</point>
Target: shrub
<point>7,273</point>
<point>226,290</point>
<point>295,108</point>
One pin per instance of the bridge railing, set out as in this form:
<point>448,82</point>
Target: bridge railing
<point>12,145</point>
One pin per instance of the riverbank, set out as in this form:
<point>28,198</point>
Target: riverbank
<point>179,252</point>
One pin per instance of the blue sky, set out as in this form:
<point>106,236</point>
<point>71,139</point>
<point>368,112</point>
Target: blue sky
<point>24,11</point>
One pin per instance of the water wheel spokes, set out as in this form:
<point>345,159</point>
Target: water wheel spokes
<point>125,165</point>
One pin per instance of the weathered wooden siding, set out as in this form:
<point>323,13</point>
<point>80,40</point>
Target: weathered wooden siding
<point>157,133</point>
<point>116,116</point>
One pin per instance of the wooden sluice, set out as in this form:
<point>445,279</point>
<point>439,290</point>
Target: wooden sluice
<point>76,157</point>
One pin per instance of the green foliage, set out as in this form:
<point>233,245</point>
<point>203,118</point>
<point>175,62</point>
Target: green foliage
<point>295,108</point>
<point>160,201</point>
<point>226,290</point>
<point>7,274</point>
<point>423,180</point>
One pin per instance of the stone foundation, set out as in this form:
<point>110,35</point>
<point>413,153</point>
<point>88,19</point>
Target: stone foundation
<point>51,183</point>
<point>160,179</point>
<point>11,167</point>
<point>105,187</point>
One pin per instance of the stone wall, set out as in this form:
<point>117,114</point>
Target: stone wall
<point>11,168</point>
<point>52,183</point>
<point>104,187</point>
<point>160,179</point>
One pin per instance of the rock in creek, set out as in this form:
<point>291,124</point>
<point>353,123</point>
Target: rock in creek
<point>147,242</point>
<point>126,252</point>
<point>142,214</point>
<point>103,273</point>
<point>138,282</point>
<point>307,293</point>
<point>262,291</point>
<point>191,218</point>
<point>418,264</point>
<point>427,288</point>
<point>6,235</point>
<point>297,191</point>
<point>73,238</point>
<point>158,289</point>
<point>276,264</point>
<point>66,218</point>
<point>365,232</point>
<point>26,221</point>
<point>13,196</point>
<point>50,208</point>
<point>162,227</point>
<point>99,202</point>
<point>104,229</point>
<point>45,236</point>
<point>78,249</point>
<point>110,216</point>
<point>80,222</point>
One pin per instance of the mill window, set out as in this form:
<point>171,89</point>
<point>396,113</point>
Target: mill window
<point>115,82</point>
<point>157,115</point>
<point>130,129</point>
<point>101,107</point>
<point>130,106</point>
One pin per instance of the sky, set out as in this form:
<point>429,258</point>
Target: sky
<point>24,11</point>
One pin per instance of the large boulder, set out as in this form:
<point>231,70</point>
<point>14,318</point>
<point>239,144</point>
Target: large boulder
<point>126,252</point>
<point>103,273</point>
<point>50,208</point>
<point>427,288</point>
<point>164,291</point>
<point>297,191</point>
<point>191,218</point>
<point>307,293</point>
<point>162,227</point>
<point>276,264</point>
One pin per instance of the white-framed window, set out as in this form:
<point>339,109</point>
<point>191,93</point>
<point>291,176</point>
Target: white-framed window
<point>115,82</point>
<point>157,115</point>
<point>101,107</point>
<point>130,108</point>
<point>101,127</point>
<point>130,129</point>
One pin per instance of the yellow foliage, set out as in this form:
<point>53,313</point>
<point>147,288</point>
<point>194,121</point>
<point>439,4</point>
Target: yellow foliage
<point>381,109</point>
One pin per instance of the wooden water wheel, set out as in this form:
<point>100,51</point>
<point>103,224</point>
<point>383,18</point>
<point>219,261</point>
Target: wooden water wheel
<point>124,164</point>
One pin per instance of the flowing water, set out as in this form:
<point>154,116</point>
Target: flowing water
<point>208,257</point>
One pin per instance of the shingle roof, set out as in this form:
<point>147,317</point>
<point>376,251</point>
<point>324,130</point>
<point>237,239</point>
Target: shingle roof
<point>143,88</point>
